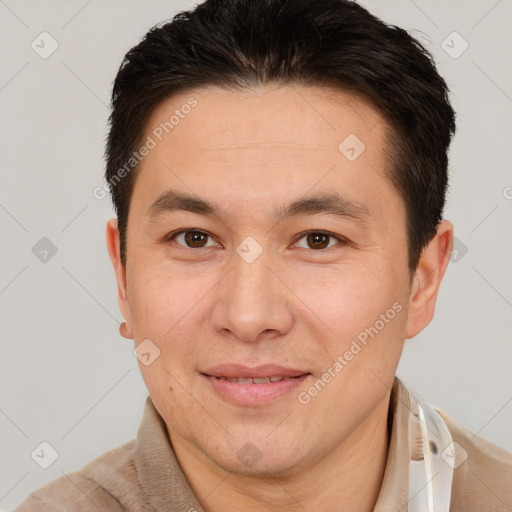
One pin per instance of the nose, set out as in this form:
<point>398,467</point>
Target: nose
<point>253,303</point>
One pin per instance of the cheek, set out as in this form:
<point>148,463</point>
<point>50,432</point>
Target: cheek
<point>168,390</point>
<point>348,299</point>
<point>360,316</point>
<point>162,300</point>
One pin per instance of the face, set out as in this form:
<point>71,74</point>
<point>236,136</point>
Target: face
<point>275,297</point>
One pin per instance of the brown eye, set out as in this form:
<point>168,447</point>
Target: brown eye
<point>193,239</point>
<point>319,240</point>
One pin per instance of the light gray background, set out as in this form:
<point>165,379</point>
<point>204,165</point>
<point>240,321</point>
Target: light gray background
<point>66,376</point>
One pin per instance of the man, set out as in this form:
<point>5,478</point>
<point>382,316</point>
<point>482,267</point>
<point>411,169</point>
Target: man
<point>279,171</point>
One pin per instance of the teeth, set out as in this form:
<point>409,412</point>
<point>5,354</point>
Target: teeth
<point>262,380</point>
<point>254,380</point>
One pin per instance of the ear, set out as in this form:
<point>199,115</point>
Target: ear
<point>427,280</point>
<point>114,251</point>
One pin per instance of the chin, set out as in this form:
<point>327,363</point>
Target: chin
<point>257,459</point>
<point>261,469</point>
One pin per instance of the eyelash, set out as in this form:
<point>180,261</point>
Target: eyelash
<point>340,239</point>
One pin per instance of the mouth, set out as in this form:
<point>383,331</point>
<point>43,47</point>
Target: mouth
<point>256,386</point>
<point>255,380</point>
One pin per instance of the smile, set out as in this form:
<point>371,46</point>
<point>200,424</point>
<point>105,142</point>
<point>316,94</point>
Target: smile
<point>254,380</point>
<point>253,386</point>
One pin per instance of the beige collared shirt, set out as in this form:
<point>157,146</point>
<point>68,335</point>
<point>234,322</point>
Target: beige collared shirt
<point>144,475</point>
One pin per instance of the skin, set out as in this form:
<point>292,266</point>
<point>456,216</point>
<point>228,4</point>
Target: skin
<point>296,305</point>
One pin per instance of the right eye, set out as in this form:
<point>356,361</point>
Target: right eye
<point>191,238</point>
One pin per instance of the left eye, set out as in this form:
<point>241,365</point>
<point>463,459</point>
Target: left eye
<point>319,240</point>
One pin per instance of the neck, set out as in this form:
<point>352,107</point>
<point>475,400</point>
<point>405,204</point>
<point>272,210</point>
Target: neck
<point>348,478</point>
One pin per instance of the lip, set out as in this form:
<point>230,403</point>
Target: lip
<point>263,370</point>
<point>253,394</point>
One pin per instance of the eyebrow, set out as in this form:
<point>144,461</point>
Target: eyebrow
<point>322,203</point>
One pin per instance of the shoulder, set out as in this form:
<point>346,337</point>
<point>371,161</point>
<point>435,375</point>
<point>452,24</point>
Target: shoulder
<point>109,482</point>
<point>482,476</point>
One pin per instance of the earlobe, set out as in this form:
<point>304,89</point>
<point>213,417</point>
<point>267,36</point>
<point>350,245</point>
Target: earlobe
<point>113,240</point>
<point>125,332</point>
<point>427,280</point>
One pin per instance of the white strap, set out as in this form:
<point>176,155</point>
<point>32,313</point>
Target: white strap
<point>430,477</point>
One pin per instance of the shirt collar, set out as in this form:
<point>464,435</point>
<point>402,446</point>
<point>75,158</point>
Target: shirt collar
<point>160,475</point>
<point>394,491</point>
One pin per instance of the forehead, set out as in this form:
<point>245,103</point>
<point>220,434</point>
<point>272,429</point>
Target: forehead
<point>265,116</point>
<point>262,146</point>
<point>259,127</point>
